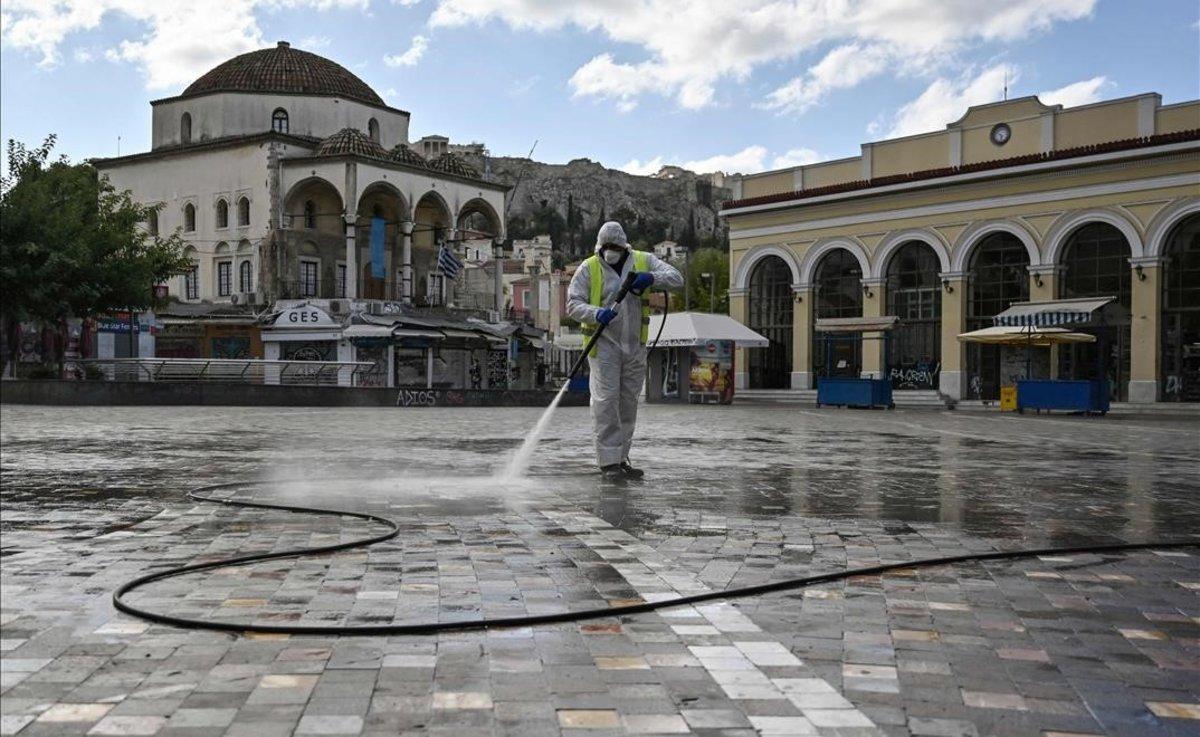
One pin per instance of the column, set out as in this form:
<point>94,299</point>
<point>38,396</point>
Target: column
<point>738,311</point>
<point>350,216</point>
<point>406,229</point>
<point>351,257</point>
<point>1043,287</point>
<point>872,346</point>
<point>1145,329</point>
<point>952,380</point>
<point>802,319</point>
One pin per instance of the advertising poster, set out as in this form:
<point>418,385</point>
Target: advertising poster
<point>711,377</point>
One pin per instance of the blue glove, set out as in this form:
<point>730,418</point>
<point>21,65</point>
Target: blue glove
<point>641,283</point>
<point>604,315</point>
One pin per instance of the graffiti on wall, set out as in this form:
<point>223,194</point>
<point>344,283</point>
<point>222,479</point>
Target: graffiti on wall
<point>918,376</point>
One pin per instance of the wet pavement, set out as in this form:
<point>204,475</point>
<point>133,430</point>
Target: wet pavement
<point>1081,644</point>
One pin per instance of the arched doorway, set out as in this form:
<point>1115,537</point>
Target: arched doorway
<point>837,290</point>
<point>383,202</point>
<point>1096,264</point>
<point>998,276</point>
<point>915,296</point>
<point>431,226</point>
<point>1181,313</point>
<point>770,314</point>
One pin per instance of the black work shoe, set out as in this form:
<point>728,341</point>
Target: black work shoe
<point>630,471</point>
<point>613,472</point>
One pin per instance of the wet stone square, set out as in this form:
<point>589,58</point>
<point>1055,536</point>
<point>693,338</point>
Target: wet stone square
<point>1085,643</point>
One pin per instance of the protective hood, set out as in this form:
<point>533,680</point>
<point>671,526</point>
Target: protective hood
<point>611,234</point>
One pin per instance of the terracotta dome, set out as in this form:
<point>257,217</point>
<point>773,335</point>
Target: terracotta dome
<point>350,141</point>
<point>283,70</point>
<point>451,164</point>
<point>405,155</point>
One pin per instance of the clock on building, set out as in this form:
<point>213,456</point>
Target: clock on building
<point>1000,134</point>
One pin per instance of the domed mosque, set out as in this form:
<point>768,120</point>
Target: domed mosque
<point>291,180</point>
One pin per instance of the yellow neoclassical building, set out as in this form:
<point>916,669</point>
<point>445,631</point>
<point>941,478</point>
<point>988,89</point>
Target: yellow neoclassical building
<point>1016,201</point>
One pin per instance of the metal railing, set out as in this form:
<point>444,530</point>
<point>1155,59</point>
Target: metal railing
<point>234,370</point>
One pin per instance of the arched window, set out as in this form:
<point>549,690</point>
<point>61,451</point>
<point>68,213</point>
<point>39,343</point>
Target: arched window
<point>1096,264</point>
<point>243,212</point>
<point>279,120</point>
<point>191,282</point>
<point>999,276</point>
<point>222,213</point>
<point>152,222</point>
<point>914,295</point>
<point>310,215</point>
<point>1181,313</point>
<point>838,294</point>
<point>770,315</point>
<point>245,277</point>
<point>189,218</point>
<point>185,128</point>
<point>373,130</point>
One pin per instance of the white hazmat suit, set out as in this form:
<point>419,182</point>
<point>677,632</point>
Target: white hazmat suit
<point>618,367</point>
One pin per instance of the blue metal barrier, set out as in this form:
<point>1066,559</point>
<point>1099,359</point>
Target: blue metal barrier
<point>1062,394</point>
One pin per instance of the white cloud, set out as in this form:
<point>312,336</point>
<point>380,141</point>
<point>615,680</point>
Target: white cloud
<point>749,160</point>
<point>642,169</point>
<point>945,100</point>
<point>83,56</point>
<point>410,57</point>
<point>1079,93</point>
<point>689,48</point>
<point>181,39</point>
<point>796,157</point>
<point>843,67</point>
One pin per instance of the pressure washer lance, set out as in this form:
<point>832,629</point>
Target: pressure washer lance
<point>626,285</point>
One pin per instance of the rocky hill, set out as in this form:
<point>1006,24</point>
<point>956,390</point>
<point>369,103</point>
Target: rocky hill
<point>569,201</point>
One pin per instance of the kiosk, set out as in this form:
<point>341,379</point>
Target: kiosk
<point>866,392</point>
<point>693,360</point>
<point>1040,324</point>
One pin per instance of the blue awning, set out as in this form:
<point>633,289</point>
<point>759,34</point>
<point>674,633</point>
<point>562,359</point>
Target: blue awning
<point>1051,313</point>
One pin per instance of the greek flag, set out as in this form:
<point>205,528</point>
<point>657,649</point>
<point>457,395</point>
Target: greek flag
<point>448,263</point>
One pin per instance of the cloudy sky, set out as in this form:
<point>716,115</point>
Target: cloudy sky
<point>736,85</point>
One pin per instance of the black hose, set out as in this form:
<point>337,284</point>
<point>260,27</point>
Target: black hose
<point>426,628</point>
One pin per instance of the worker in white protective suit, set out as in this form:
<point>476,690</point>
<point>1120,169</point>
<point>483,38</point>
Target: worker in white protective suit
<point>618,360</point>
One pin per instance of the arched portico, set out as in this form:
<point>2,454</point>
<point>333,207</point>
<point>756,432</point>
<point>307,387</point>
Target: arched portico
<point>1163,225</point>
<point>1067,224</point>
<point>893,241</point>
<point>380,200</point>
<point>432,222</point>
<point>750,260</point>
<point>821,248</point>
<point>972,236</point>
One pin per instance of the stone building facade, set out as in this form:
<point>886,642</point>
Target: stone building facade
<point>1015,201</point>
<point>280,167</point>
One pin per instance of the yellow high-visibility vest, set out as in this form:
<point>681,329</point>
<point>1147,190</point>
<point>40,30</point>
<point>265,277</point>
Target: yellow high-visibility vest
<point>641,262</point>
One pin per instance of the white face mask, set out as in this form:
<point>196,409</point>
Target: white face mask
<point>612,256</point>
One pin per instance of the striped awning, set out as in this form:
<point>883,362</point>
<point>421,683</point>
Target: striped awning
<point>1052,312</point>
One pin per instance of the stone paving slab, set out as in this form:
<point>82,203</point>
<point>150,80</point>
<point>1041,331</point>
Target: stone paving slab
<point>1082,644</point>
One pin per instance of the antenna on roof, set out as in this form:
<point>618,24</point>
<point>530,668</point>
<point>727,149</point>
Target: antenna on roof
<point>1006,83</point>
<point>118,145</point>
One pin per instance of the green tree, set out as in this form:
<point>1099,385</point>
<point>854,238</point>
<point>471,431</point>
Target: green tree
<point>704,261</point>
<point>73,246</point>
